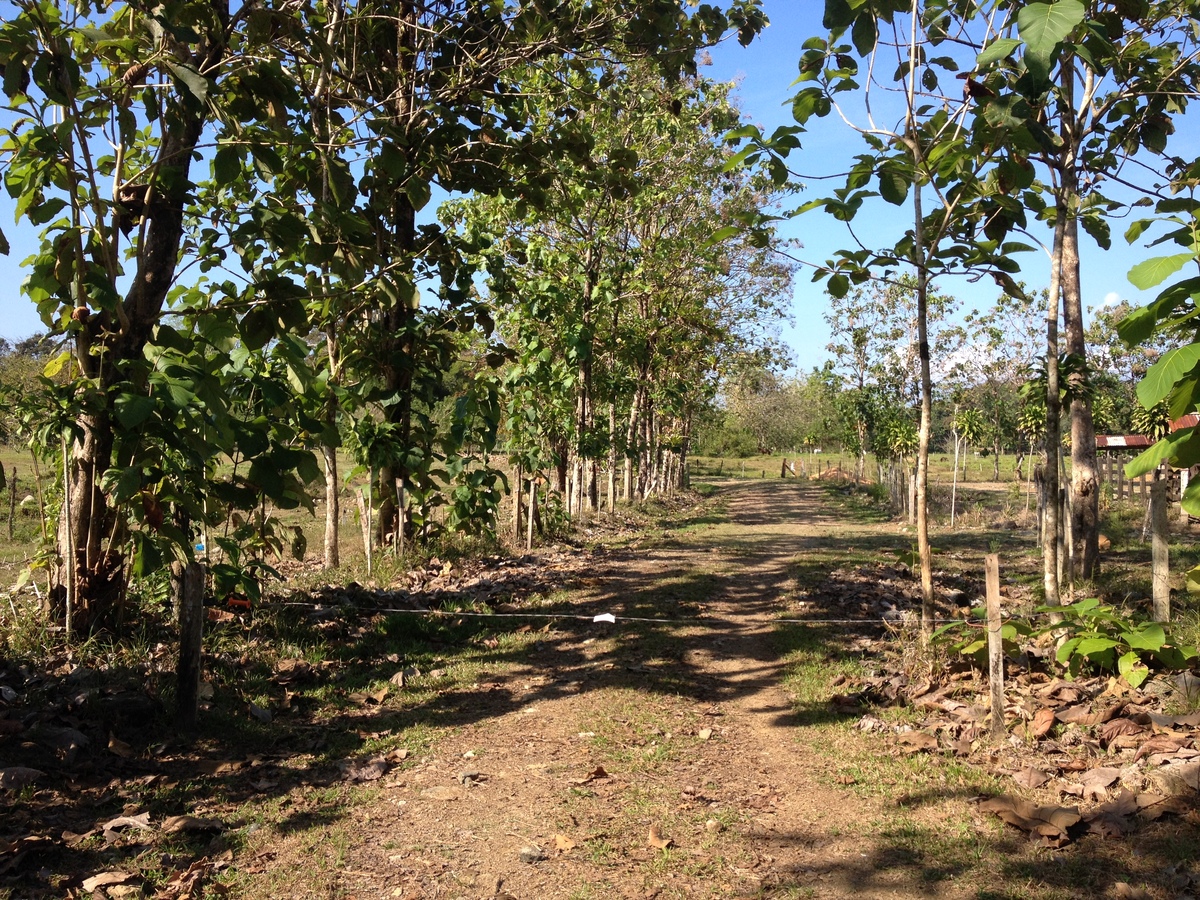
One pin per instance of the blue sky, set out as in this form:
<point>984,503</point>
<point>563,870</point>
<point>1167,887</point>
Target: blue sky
<point>764,72</point>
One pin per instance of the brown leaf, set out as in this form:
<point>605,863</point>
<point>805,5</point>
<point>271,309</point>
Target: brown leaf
<point>1083,714</point>
<point>1116,728</point>
<point>595,775</point>
<point>190,825</point>
<point>141,820</point>
<point>656,839</point>
<point>1049,822</point>
<point>119,748</point>
<point>14,778</point>
<point>1096,781</point>
<point>106,879</point>
<point>1031,777</point>
<point>1042,723</point>
<point>918,741</point>
<point>563,844</point>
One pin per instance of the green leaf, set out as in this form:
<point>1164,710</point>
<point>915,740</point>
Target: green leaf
<point>132,409</point>
<point>227,165</point>
<point>724,234</point>
<point>1132,669</point>
<point>997,50</point>
<point>1094,646</point>
<point>1136,229</point>
<point>1157,270</point>
<point>893,185</point>
<point>54,366</point>
<point>1162,377</point>
<point>864,34</point>
<point>1042,26</point>
<point>1181,448</point>
<point>195,83</point>
<point>4,248</point>
<point>1193,580</point>
<point>1150,637</point>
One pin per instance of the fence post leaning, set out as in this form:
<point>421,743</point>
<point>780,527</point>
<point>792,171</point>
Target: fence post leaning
<point>995,644</point>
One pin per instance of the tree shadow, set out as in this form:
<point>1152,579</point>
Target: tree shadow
<point>662,643</point>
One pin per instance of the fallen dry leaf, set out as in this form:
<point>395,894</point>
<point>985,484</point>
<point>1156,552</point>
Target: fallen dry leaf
<point>190,825</point>
<point>1042,723</point>
<point>141,820</point>
<point>918,741</point>
<point>1096,781</point>
<point>107,879</point>
<point>1051,823</point>
<point>14,778</point>
<point>562,843</point>
<point>595,775</point>
<point>656,839</point>
<point>1031,777</point>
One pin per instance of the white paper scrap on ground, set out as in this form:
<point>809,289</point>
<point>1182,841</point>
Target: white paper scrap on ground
<point>606,617</point>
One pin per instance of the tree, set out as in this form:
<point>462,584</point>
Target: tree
<point>325,127</point>
<point>876,342</point>
<point>625,296</point>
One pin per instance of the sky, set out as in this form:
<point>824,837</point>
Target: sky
<point>764,73</point>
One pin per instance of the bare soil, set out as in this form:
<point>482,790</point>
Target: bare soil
<point>668,753</point>
<point>684,721</point>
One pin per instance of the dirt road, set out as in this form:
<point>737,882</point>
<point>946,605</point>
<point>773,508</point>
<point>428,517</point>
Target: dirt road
<point>571,772</point>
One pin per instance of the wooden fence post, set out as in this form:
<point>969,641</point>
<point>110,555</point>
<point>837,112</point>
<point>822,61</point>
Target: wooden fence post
<point>532,514</point>
<point>191,633</point>
<point>518,483</point>
<point>995,644</point>
<point>1185,476</point>
<point>12,502</point>
<point>1161,572</point>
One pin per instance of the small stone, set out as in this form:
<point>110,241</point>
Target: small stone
<point>712,826</point>
<point>705,733</point>
<point>532,855</point>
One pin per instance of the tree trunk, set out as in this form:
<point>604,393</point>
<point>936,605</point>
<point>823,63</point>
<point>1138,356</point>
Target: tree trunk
<point>333,507</point>
<point>612,458</point>
<point>1051,524</point>
<point>1085,479</point>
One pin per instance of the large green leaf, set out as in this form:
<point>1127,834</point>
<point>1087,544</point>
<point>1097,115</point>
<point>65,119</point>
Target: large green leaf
<point>1043,25</point>
<point>998,49</point>
<point>195,83</point>
<point>1151,637</point>
<point>1157,270</point>
<point>1182,448</point>
<point>132,409</point>
<point>1162,377</point>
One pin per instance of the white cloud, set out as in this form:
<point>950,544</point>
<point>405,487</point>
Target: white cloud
<point>1112,298</point>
